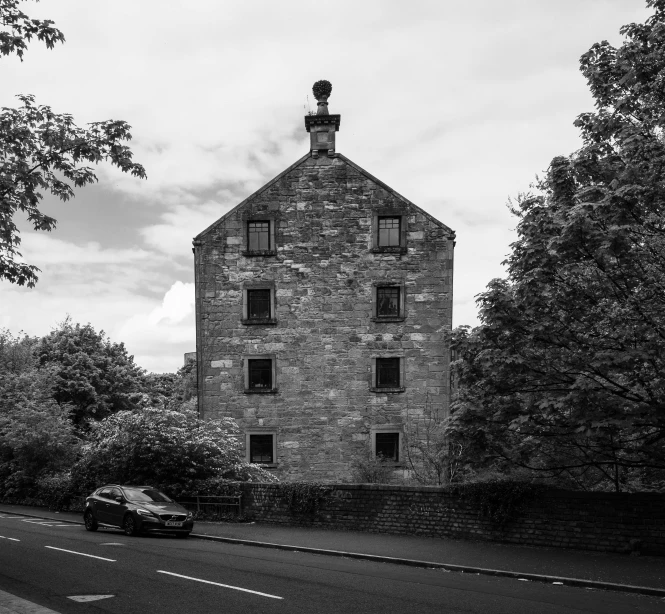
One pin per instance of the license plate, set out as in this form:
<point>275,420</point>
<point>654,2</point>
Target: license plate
<point>173,523</point>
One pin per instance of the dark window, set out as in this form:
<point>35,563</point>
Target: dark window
<point>260,374</point>
<point>389,231</point>
<point>258,236</point>
<point>387,372</point>
<point>260,449</point>
<point>387,446</point>
<point>387,301</point>
<point>258,304</point>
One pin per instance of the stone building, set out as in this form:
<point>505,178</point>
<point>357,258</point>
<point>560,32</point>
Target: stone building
<point>323,303</point>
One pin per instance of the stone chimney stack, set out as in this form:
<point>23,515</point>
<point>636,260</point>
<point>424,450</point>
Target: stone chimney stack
<point>322,126</point>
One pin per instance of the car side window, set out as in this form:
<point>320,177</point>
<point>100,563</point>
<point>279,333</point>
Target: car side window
<point>106,493</point>
<point>115,492</point>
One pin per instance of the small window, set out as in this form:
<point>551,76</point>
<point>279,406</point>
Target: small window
<point>260,374</point>
<point>258,236</point>
<point>388,302</point>
<point>261,449</point>
<point>387,373</point>
<point>389,231</point>
<point>386,446</point>
<point>258,304</point>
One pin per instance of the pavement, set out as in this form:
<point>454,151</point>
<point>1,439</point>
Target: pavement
<point>608,571</point>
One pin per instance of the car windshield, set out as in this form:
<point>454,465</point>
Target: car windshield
<point>146,494</point>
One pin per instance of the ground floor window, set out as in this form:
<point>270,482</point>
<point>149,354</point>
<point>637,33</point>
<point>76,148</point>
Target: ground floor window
<point>261,448</point>
<point>386,446</point>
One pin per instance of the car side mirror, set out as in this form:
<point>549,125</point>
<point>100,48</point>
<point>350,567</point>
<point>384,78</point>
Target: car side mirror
<point>120,499</point>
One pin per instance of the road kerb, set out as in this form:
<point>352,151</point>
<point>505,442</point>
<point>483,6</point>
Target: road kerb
<point>577,582</point>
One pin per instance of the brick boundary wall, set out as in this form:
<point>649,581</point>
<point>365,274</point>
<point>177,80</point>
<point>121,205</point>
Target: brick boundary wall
<point>606,522</point>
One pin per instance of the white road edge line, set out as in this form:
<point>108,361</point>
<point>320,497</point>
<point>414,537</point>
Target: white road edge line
<point>13,539</point>
<point>92,556</point>
<point>235,588</point>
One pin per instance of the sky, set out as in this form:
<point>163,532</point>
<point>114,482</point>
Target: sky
<point>458,106</point>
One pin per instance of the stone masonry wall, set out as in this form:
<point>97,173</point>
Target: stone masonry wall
<point>608,522</point>
<point>324,339</point>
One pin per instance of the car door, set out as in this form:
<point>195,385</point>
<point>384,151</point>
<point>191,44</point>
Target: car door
<point>102,504</point>
<point>115,510</point>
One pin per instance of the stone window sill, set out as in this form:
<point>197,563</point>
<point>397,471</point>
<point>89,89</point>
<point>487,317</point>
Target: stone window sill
<point>269,465</point>
<point>388,319</point>
<point>259,321</point>
<point>261,391</point>
<point>262,252</point>
<point>388,390</point>
<point>389,249</point>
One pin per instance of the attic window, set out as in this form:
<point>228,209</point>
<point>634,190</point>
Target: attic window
<point>258,236</point>
<point>389,231</point>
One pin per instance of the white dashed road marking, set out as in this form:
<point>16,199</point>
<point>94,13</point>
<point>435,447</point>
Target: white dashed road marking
<point>13,539</point>
<point>235,588</point>
<point>84,598</point>
<point>92,556</point>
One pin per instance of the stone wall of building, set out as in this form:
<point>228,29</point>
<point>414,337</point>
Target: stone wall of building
<point>607,522</point>
<point>324,274</point>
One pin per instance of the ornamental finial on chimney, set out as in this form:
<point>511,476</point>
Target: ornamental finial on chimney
<point>321,91</point>
<point>322,126</point>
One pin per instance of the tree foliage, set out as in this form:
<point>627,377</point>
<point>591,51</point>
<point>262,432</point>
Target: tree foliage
<point>37,436</point>
<point>566,372</point>
<point>45,152</point>
<point>92,374</point>
<point>21,29</point>
<point>169,449</point>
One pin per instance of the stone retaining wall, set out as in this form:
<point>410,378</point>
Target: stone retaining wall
<point>608,522</point>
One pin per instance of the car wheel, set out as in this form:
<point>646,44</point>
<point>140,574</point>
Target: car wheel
<point>129,525</point>
<point>90,522</point>
<point>182,535</point>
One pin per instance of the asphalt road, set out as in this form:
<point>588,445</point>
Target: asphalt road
<point>49,562</point>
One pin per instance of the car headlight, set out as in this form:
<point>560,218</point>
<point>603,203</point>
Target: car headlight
<point>143,512</point>
<point>190,515</point>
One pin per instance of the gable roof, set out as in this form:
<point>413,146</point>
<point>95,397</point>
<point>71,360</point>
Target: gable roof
<point>295,165</point>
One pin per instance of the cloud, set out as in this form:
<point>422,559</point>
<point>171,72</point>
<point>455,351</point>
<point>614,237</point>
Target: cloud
<point>178,303</point>
<point>163,333</point>
<point>45,250</point>
<point>179,225</point>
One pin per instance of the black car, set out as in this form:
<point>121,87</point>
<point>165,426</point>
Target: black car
<point>135,509</point>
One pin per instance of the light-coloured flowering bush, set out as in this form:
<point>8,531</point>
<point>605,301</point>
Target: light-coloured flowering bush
<point>170,449</point>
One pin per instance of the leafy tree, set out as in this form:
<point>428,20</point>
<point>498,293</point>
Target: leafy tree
<point>16,352</point>
<point>565,375</point>
<point>42,151</point>
<point>171,389</point>
<point>172,450</point>
<point>90,373</point>
<point>36,434</point>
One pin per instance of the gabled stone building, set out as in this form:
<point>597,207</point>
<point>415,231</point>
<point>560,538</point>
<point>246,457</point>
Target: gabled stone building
<point>323,303</point>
